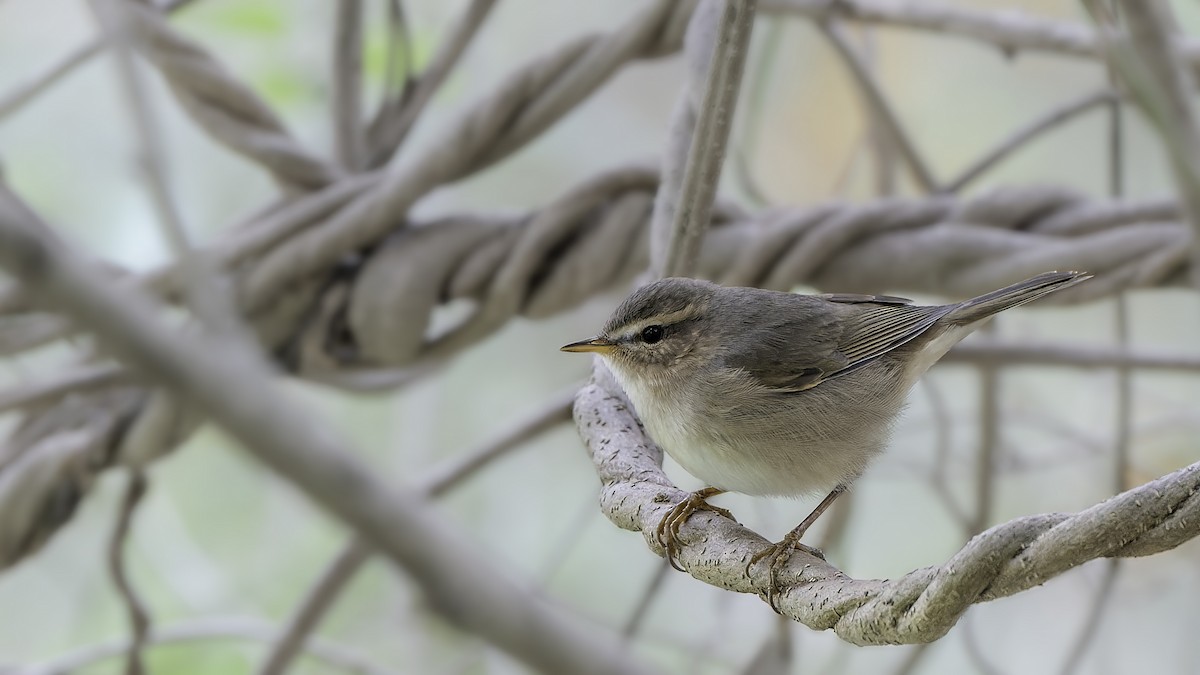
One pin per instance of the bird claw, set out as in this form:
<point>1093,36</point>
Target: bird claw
<point>779,555</point>
<point>668,528</point>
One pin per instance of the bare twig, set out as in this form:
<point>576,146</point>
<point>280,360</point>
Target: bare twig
<point>25,93</point>
<point>881,112</point>
<point>990,446</point>
<point>989,441</point>
<point>294,637</point>
<point>755,104</point>
<point>1058,115</point>
<point>1006,353</point>
<point>653,587</point>
<point>203,630</point>
<point>81,379</point>
<point>1009,30</point>
<point>235,389</point>
<point>912,659</point>
<point>1150,64</point>
<point>139,618</point>
<point>204,295</point>
<point>438,481</point>
<point>1123,433</point>
<point>941,459</point>
<point>981,661</point>
<point>396,117</point>
<point>776,655</point>
<point>707,150</point>
<point>348,132</point>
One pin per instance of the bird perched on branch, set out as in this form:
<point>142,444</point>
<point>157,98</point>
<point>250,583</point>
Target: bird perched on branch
<point>771,393</point>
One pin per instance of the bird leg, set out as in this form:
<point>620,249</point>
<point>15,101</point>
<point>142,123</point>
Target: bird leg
<point>668,528</point>
<point>780,552</point>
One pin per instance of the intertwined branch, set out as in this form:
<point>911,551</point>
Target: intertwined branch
<point>340,284</point>
<point>591,239</point>
<point>920,606</point>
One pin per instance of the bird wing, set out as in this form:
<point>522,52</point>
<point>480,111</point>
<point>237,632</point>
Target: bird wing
<point>798,354</point>
<point>881,327</point>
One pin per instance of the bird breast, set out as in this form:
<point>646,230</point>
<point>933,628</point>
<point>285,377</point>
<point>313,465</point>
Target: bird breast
<point>733,434</point>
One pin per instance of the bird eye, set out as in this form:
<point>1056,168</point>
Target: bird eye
<point>652,334</point>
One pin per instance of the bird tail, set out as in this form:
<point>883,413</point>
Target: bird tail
<point>977,309</point>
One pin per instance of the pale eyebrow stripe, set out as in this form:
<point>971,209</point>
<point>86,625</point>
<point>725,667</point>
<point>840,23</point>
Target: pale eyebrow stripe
<point>664,320</point>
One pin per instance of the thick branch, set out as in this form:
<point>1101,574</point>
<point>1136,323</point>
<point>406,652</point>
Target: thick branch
<point>920,606</point>
<point>235,390</point>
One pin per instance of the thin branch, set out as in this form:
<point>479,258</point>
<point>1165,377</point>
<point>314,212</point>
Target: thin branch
<point>437,482</point>
<point>204,295</point>
<point>78,380</point>
<point>390,127</point>
<point>346,100</point>
<point>397,80</point>
<point>885,118</point>
<point>990,447</point>
<point>1150,64</point>
<point>233,387</point>
<point>139,618</point>
<point>989,442</point>
<point>913,658</point>
<point>27,92</point>
<point>711,134</point>
<point>1055,117</point>
<point>776,655</point>
<point>649,594</point>
<point>942,452</point>
<point>573,533</point>
<point>975,652</point>
<point>1123,432</point>
<point>743,172</point>
<point>1009,30</point>
<point>203,630</point>
<point>1013,354</point>
<point>294,637</point>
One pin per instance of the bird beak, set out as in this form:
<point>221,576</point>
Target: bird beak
<point>601,345</point>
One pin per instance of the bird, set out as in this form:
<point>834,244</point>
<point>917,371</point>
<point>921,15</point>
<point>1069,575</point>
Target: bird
<point>771,393</point>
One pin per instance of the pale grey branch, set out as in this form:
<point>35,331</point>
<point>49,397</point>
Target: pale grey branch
<point>724,57</point>
<point>438,481</point>
<point>202,630</point>
<point>920,606</point>
<point>232,387</point>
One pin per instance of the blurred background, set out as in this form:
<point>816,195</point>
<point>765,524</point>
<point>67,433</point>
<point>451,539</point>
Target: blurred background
<point>220,539</point>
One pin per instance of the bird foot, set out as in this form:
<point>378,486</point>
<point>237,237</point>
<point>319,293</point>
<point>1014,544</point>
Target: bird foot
<point>668,528</point>
<point>779,554</point>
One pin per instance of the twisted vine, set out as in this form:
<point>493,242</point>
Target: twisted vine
<point>920,606</point>
<point>374,319</point>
